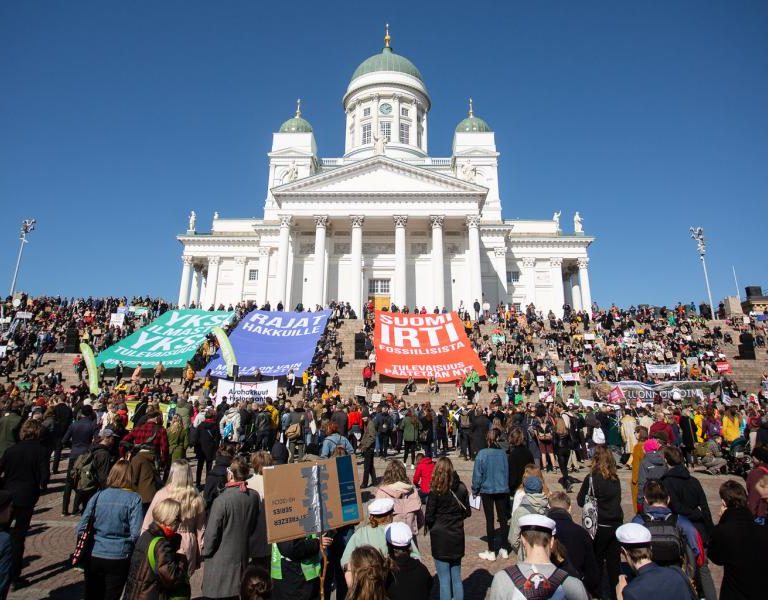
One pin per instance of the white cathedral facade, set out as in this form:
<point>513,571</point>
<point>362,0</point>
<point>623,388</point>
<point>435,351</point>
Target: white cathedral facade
<point>386,221</point>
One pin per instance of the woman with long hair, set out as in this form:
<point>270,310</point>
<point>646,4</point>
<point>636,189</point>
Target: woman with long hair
<point>117,513</point>
<point>604,480</point>
<point>490,480</point>
<point>395,484</point>
<point>543,427</point>
<point>181,488</point>
<point>366,574</point>
<point>178,438</point>
<point>447,508</point>
<point>518,456</point>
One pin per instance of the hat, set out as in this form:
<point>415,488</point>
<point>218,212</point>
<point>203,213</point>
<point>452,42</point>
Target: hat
<point>651,445</point>
<point>5,499</point>
<point>381,506</point>
<point>533,484</point>
<point>106,432</point>
<point>537,523</point>
<point>633,534</point>
<point>598,436</point>
<point>399,535</point>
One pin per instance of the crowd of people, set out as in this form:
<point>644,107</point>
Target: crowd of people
<point>171,480</point>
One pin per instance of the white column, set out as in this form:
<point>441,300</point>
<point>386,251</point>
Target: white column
<point>186,272</point>
<point>264,252</point>
<point>567,288</point>
<point>213,280</point>
<point>194,297</point>
<point>556,280</point>
<point>474,267</point>
<point>438,261</point>
<point>586,293</point>
<point>424,138</point>
<point>281,277</point>
<point>239,276</point>
<point>576,292</point>
<point>500,257</point>
<point>375,128</point>
<point>318,268</point>
<point>396,119</point>
<point>203,285</point>
<point>398,296</point>
<point>529,277</point>
<point>356,272</point>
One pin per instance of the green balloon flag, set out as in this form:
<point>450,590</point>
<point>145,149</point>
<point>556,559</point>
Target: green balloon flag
<point>93,371</point>
<point>227,351</point>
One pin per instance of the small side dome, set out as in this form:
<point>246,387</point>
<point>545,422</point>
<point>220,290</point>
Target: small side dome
<point>472,123</point>
<point>296,124</point>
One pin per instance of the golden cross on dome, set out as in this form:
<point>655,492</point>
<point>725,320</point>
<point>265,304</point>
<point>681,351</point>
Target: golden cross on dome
<point>471,112</point>
<point>298,107</point>
<point>386,35</point>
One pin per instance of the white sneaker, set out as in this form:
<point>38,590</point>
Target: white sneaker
<point>487,555</point>
<point>413,466</point>
<point>503,554</point>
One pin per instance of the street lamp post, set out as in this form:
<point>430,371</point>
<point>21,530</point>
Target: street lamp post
<point>697,233</point>
<point>27,225</point>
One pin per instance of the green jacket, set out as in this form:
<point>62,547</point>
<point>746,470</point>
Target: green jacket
<point>471,379</point>
<point>10,425</point>
<point>411,427</point>
<point>177,443</point>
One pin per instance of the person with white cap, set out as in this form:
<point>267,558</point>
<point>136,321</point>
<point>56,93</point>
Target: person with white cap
<point>380,514</point>
<point>410,579</point>
<point>536,576</point>
<point>651,580</point>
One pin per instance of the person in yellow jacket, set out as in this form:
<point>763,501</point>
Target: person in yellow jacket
<point>731,429</point>
<point>698,419</point>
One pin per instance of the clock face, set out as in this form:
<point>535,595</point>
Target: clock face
<point>385,109</point>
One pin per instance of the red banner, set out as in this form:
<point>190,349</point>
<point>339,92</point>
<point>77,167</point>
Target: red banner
<point>423,346</point>
<point>723,367</point>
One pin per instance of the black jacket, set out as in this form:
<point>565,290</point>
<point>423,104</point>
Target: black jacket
<point>293,586</point>
<point>688,432</point>
<point>740,546</point>
<point>102,463</point>
<point>216,480</point>
<point>687,498</point>
<point>409,579</point>
<point>445,519</point>
<point>608,494</point>
<point>519,456</point>
<point>579,546</point>
<point>80,433</point>
<point>479,426</point>
<point>24,468</point>
<point>62,418</point>
<point>207,439</point>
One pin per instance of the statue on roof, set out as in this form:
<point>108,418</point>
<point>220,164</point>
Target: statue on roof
<point>556,219</point>
<point>577,227</point>
<point>192,221</point>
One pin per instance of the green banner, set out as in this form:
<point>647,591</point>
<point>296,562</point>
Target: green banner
<point>227,351</point>
<point>93,371</point>
<point>172,338</point>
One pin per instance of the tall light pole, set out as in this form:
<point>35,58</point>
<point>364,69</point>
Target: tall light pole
<point>27,225</point>
<point>697,233</point>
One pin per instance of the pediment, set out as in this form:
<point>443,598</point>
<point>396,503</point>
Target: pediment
<point>379,175</point>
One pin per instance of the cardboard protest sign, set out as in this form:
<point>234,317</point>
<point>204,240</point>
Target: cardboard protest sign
<point>310,497</point>
<point>423,346</point>
<point>117,320</point>
<point>173,338</point>
<point>247,391</point>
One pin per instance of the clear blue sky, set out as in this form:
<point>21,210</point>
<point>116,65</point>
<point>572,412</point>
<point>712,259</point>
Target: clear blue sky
<point>117,118</point>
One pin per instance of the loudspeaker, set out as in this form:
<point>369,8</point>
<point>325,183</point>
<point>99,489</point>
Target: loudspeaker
<point>754,291</point>
<point>747,352</point>
<point>71,339</point>
<point>360,353</point>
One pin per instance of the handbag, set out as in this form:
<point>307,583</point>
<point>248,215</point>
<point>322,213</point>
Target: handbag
<point>589,511</point>
<point>84,544</point>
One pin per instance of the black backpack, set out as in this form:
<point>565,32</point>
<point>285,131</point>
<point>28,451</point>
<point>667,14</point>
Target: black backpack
<point>537,587</point>
<point>667,544</point>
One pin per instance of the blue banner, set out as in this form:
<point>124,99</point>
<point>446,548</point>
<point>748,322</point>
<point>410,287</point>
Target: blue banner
<point>273,343</point>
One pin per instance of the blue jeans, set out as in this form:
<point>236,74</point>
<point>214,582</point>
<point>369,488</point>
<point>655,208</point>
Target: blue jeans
<point>449,574</point>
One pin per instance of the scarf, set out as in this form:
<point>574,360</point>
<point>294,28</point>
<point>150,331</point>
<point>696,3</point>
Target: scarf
<point>238,484</point>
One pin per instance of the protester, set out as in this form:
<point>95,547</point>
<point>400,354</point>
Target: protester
<point>652,466</point>
<point>367,574</point>
<point>410,578</point>
<point>259,549</point>
<point>490,481</point>
<point>396,486</point>
<point>80,433</point>
<point>296,568</point>
<point>423,475</point>
<point>6,544</point>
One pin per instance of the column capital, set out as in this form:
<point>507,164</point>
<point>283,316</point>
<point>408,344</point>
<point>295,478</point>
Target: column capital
<point>285,220</point>
<point>187,260</point>
<point>265,251</point>
<point>500,251</point>
<point>321,221</point>
<point>582,262</point>
<point>473,221</point>
<point>400,220</point>
<point>436,221</point>
<point>240,260</point>
<point>357,220</point>
<point>214,260</point>
<point>555,262</point>
<point>529,262</point>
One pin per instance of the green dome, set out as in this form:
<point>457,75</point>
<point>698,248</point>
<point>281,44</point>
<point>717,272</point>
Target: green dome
<point>296,125</point>
<point>473,124</point>
<point>387,61</point>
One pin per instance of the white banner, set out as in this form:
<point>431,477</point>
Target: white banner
<point>248,391</point>
<point>570,377</point>
<point>117,320</point>
<point>662,369</point>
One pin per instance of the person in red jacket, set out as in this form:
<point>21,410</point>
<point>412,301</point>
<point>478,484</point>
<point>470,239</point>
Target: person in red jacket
<point>422,477</point>
<point>662,426</point>
<point>367,376</point>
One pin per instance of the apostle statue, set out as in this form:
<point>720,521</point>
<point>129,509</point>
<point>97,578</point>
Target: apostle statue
<point>379,144</point>
<point>468,172</point>
<point>577,228</point>
<point>192,221</point>
<point>292,173</point>
<point>556,219</point>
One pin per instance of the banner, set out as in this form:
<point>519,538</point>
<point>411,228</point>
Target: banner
<point>310,497</point>
<point>93,372</point>
<point>247,391</point>
<point>423,346</point>
<point>173,338</point>
<point>688,392</point>
<point>227,352</point>
<point>117,320</point>
<point>273,343</point>
<point>616,395</point>
<point>652,369</point>
<point>723,366</point>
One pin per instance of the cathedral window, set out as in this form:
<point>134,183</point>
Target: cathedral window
<point>405,133</point>
<point>367,133</point>
<point>367,111</point>
<point>403,111</point>
<point>386,130</point>
<point>253,274</point>
<point>513,276</point>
